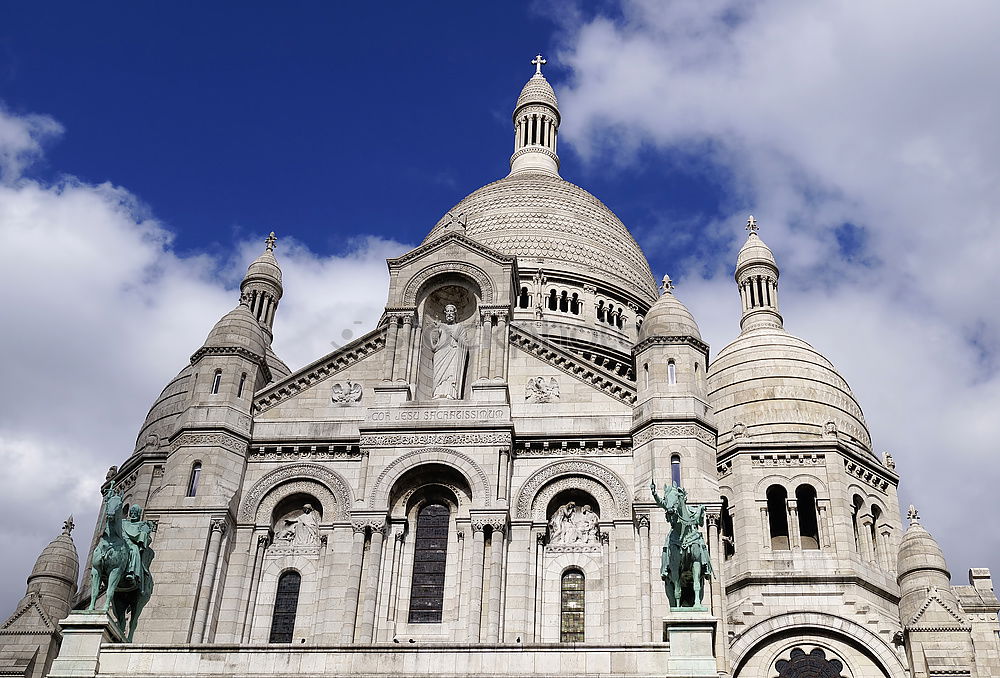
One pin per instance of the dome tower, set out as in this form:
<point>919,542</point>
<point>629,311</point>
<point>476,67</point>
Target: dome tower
<point>536,126</point>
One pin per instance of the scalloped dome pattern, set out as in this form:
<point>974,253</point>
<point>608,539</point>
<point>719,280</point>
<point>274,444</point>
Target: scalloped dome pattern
<point>537,91</point>
<point>536,216</point>
<point>782,390</point>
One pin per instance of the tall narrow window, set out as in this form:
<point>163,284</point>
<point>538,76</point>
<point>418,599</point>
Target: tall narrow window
<point>805,496</point>
<point>286,602</point>
<point>193,480</point>
<point>671,372</point>
<point>430,552</point>
<point>564,302</point>
<point>645,374</point>
<point>523,301</point>
<point>553,300</point>
<point>726,527</point>
<point>571,615</point>
<point>216,382</point>
<point>675,469</point>
<point>876,514</point>
<point>856,503</point>
<point>575,304</point>
<point>243,383</point>
<point>777,517</point>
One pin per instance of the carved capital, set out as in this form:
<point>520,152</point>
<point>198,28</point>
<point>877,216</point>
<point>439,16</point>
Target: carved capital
<point>219,525</point>
<point>540,539</point>
<point>642,521</point>
<point>359,526</point>
<point>399,535</point>
<point>711,519</point>
<point>263,541</point>
<point>323,539</point>
<point>604,537</point>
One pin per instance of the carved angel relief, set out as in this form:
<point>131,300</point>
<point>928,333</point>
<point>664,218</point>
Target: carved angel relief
<point>540,390</point>
<point>346,396</point>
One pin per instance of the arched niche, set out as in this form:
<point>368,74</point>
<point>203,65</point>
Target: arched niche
<point>429,482</point>
<point>601,483</point>
<point>473,476</point>
<point>327,486</point>
<point>448,272</point>
<point>434,297</point>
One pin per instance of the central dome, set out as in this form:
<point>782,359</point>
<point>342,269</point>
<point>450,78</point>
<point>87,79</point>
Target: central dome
<point>551,224</point>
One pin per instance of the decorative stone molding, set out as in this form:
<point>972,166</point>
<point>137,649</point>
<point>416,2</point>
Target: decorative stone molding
<point>323,495</point>
<point>671,341</point>
<point>340,490</point>
<point>866,474</point>
<point>474,474</point>
<point>426,246</point>
<point>603,381</point>
<point>415,283</point>
<point>534,149</point>
<point>240,352</point>
<point>497,524</point>
<point>603,475</point>
<point>725,468</point>
<point>792,459</point>
<point>369,440</point>
<point>654,431</point>
<point>304,452</point>
<point>574,448</point>
<point>223,440</point>
<point>282,551</point>
<point>339,360</point>
<point>605,502</point>
<point>573,548</point>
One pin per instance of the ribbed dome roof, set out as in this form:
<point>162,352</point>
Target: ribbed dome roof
<point>669,318</point>
<point>754,251</point>
<point>59,559</point>
<point>265,265</point>
<point>162,418</point>
<point>782,390</point>
<point>918,550</point>
<point>238,329</point>
<point>549,223</point>
<point>537,91</point>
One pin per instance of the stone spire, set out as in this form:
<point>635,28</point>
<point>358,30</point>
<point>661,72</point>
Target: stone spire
<point>757,280</point>
<point>53,578</point>
<point>536,126</point>
<point>261,288</point>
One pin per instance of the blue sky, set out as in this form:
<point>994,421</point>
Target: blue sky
<point>146,150</point>
<point>235,118</point>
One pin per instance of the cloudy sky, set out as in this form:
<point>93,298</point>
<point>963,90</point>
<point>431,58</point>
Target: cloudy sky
<point>143,158</point>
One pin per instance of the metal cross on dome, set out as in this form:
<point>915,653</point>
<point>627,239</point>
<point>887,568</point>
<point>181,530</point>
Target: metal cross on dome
<point>752,224</point>
<point>270,242</point>
<point>537,62</point>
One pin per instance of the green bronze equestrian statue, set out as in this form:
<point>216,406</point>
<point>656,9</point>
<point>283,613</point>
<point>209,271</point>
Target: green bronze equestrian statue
<point>120,564</point>
<point>684,551</point>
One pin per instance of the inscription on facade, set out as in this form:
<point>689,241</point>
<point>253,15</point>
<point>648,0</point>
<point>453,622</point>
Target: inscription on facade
<point>439,414</point>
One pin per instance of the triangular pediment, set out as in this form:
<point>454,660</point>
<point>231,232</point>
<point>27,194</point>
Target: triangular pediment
<point>936,612</point>
<point>450,239</point>
<point>29,617</point>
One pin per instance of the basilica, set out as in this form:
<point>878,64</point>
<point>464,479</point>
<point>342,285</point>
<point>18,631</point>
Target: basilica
<point>465,490</point>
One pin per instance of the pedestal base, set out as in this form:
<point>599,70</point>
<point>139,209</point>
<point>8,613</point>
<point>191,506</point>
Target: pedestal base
<point>691,634</point>
<point>82,635</point>
<point>391,393</point>
<point>489,391</point>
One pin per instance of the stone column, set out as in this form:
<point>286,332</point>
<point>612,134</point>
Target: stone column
<point>884,560</point>
<point>475,602</point>
<point>354,583</point>
<point>496,571</point>
<point>484,348</point>
<point>367,627</point>
<point>403,349</point>
<point>865,539</point>
<point>765,528</point>
<point>397,556</point>
<point>504,346</point>
<point>218,528</point>
<point>537,585</point>
<point>589,301</point>
<point>606,553</point>
<point>642,523</point>
<point>391,337</point>
<point>822,522</point>
<point>794,531</point>
<point>263,541</point>
<point>717,556</point>
<point>504,474</point>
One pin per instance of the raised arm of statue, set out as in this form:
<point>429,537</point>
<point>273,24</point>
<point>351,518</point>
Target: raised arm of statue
<point>656,496</point>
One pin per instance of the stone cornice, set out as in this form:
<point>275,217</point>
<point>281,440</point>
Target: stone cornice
<point>603,381</point>
<point>421,250</point>
<point>308,376</point>
<point>233,350</point>
<point>659,341</point>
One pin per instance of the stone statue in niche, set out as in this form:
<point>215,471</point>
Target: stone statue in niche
<point>303,530</point>
<point>450,346</point>
<point>572,524</point>
<point>346,396</point>
<point>540,390</point>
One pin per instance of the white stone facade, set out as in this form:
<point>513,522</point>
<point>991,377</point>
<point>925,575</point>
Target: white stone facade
<point>579,384</point>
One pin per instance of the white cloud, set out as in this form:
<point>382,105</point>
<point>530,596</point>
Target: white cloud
<point>100,312</point>
<point>879,115</point>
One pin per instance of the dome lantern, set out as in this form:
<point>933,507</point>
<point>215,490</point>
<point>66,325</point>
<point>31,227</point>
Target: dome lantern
<point>262,286</point>
<point>757,279</point>
<point>536,126</point>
